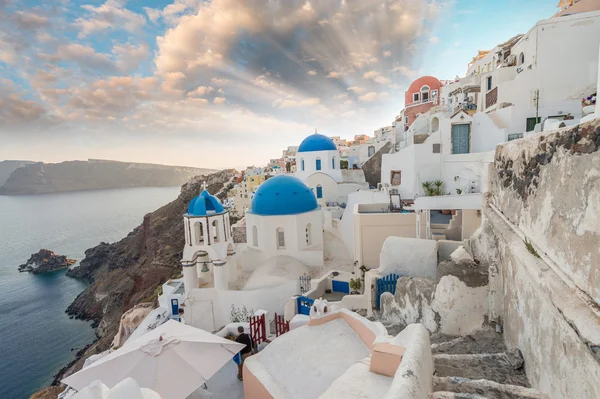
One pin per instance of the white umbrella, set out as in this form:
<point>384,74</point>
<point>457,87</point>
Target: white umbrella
<point>173,360</point>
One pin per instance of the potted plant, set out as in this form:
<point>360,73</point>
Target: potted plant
<point>355,285</point>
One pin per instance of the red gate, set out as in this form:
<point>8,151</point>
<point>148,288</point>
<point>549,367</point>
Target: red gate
<point>258,329</point>
<point>281,326</point>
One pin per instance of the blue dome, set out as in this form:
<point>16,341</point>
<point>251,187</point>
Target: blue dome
<point>317,142</point>
<point>283,195</point>
<point>205,204</point>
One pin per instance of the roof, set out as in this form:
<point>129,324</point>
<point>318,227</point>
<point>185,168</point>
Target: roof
<point>283,195</point>
<point>317,142</point>
<point>205,205</point>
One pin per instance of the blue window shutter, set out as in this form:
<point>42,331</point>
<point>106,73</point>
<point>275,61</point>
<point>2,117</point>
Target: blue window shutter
<point>318,164</point>
<point>319,192</point>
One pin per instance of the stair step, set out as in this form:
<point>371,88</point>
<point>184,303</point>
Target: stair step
<point>503,368</point>
<point>484,388</point>
<point>454,395</point>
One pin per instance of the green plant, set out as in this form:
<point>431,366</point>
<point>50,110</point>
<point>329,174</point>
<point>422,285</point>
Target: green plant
<point>458,191</point>
<point>433,188</point>
<point>343,164</point>
<point>355,285</point>
<point>530,248</point>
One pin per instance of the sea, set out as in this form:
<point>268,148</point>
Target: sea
<point>37,337</point>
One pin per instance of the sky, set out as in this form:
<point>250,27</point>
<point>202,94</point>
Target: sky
<point>225,83</point>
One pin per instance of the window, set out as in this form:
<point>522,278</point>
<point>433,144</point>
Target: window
<point>318,164</point>
<point>395,177</point>
<point>255,236</point>
<point>489,83</point>
<point>435,124</point>
<point>437,148</point>
<point>333,163</point>
<point>280,238</point>
<point>434,93</point>
<point>302,164</point>
<point>425,93</point>
<point>319,191</point>
<point>416,97</point>
<point>371,151</point>
<point>531,122</point>
<point>308,241</point>
<point>406,119</point>
<point>521,59</point>
<point>215,228</point>
<point>199,227</point>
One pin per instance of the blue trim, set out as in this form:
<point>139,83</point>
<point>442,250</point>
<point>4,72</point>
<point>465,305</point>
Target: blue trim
<point>318,164</point>
<point>319,192</point>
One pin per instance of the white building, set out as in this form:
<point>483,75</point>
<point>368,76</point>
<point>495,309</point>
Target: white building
<point>208,255</point>
<point>555,66</point>
<point>285,219</point>
<point>318,165</point>
<point>318,154</point>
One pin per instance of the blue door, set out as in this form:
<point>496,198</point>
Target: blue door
<point>340,286</point>
<point>175,307</point>
<point>319,192</point>
<point>318,164</point>
<point>304,304</point>
<point>385,284</point>
<point>460,138</point>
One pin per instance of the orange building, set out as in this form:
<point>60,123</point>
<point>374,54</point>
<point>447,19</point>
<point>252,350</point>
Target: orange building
<point>422,94</point>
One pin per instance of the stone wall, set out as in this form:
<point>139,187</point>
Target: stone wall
<point>372,168</point>
<point>541,238</point>
<point>454,303</point>
<point>548,185</point>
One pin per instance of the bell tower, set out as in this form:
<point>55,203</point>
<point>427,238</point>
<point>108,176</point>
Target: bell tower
<point>209,252</point>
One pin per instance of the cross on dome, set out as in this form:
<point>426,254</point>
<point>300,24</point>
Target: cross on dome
<point>204,185</point>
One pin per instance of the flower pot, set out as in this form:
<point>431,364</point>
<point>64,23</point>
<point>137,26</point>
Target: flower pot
<point>446,212</point>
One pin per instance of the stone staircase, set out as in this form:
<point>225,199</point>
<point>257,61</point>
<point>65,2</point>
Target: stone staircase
<point>478,366</point>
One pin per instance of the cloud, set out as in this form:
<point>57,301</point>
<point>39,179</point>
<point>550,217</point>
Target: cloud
<point>220,81</point>
<point>387,53</point>
<point>406,71</point>
<point>200,91</point>
<point>219,100</point>
<point>83,56</point>
<point>30,20</point>
<point>112,15</point>
<point>14,109</point>
<point>333,75</point>
<point>369,97</point>
<point>287,103</point>
<point>375,76</point>
<point>130,56</point>
<point>434,40</point>
<point>356,90</point>
<point>312,72</point>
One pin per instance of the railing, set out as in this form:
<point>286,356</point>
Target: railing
<point>515,136</point>
<point>465,106</point>
<point>491,98</point>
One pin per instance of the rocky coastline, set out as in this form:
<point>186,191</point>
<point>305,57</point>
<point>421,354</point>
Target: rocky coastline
<point>128,272</point>
<point>45,261</point>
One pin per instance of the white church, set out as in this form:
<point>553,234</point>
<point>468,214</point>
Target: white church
<point>318,165</point>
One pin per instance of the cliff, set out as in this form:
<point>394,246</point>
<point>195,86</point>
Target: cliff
<point>42,178</point>
<point>7,167</point>
<point>131,271</point>
<point>45,261</point>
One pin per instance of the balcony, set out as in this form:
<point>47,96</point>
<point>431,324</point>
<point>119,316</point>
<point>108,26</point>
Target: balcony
<point>491,98</point>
